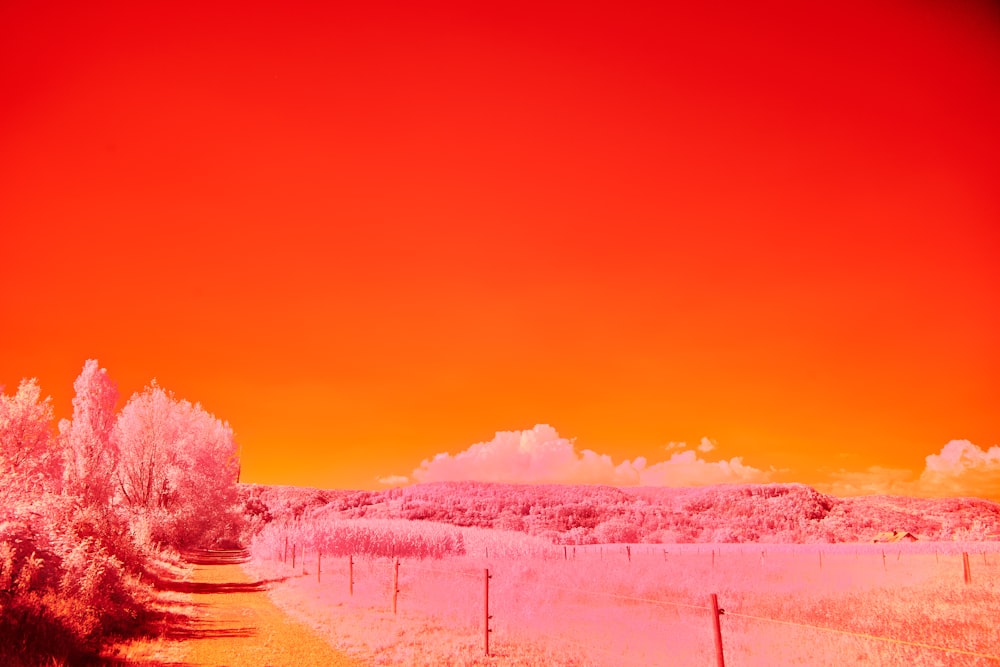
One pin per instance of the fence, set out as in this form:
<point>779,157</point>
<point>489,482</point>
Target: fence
<point>494,598</point>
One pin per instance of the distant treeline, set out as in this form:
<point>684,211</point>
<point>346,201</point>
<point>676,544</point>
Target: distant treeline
<point>574,514</point>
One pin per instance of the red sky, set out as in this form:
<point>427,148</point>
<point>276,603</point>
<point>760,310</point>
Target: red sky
<point>365,235</point>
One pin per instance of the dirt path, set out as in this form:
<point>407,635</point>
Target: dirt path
<point>239,625</point>
<point>235,622</point>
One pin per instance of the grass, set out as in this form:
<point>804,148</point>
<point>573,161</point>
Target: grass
<point>603,609</point>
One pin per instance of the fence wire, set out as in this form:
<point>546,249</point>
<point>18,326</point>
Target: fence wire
<point>851,633</point>
<point>668,603</point>
<point>616,596</point>
<point>864,635</point>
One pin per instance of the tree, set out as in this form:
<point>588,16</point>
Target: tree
<point>146,435</point>
<point>202,474</point>
<point>77,510</point>
<point>90,445</point>
<point>177,466</point>
<point>29,459</point>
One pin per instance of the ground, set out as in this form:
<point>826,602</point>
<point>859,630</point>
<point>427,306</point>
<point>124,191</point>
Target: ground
<point>221,616</point>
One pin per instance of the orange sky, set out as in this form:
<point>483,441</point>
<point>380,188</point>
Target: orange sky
<point>368,234</point>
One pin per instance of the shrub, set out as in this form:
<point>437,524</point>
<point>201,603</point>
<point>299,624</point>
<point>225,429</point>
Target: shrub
<point>368,537</point>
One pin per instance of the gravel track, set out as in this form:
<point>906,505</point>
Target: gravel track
<point>238,625</point>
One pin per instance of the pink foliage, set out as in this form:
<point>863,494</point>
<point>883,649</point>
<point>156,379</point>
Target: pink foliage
<point>147,433</point>
<point>567,514</point>
<point>91,449</point>
<point>361,537</point>
<point>80,513</point>
<point>29,458</point>
<point>178,464</point>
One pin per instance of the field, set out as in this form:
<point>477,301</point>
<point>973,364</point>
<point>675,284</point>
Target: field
<point>820,604</point>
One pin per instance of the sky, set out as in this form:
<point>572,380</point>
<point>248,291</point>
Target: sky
<point>393,242</point>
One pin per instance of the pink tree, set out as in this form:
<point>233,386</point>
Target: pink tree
<point>29,458</point>
<point>177,466</point>
<point>91,450</point>
<point>147,433</point>
<point>30,468</point>
<point>202,474</point>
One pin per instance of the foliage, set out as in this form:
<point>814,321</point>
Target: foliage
<point>361,537</point>
<point>91,450</point>
<point>29,458</point>
<point>84,512</point>
<point>177,465</point>
<point>567,514</point>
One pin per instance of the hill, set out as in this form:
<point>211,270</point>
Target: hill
<point>568,514</point>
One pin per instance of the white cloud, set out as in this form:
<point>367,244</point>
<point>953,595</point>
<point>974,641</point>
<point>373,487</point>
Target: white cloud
<point>875,480</point>
<point>393,480</point>
<point>706,445</point>
<point>687,469</point>
<point>962,469</point>
<point>540,455</point>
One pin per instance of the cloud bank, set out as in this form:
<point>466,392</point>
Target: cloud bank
<point>875,480</point>
<point>960,469</point>
<point>541,456</point>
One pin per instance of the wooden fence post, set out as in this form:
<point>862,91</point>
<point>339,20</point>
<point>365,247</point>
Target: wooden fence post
<point>628,551</point>
<point>395,584</point>
<point>717,631</point>
<point>293,556</point>
<point>965,565</point>
<point>350,574</point>
<point>883,560</point>
<point>486,611</point>
<point>319,564</point>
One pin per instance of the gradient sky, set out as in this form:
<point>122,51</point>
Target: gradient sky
<point>365,234</point>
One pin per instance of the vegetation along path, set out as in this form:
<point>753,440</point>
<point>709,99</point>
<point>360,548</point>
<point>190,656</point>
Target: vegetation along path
<point>239,625</point>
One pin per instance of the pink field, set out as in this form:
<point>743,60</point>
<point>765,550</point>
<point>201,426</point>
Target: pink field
<point>830,604</point>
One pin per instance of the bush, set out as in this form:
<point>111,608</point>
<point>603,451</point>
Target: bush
<point>76,533</point>
<point>368,537</point>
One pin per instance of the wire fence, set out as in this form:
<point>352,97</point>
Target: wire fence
<point>490,596</point>
<point>863,635</point>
